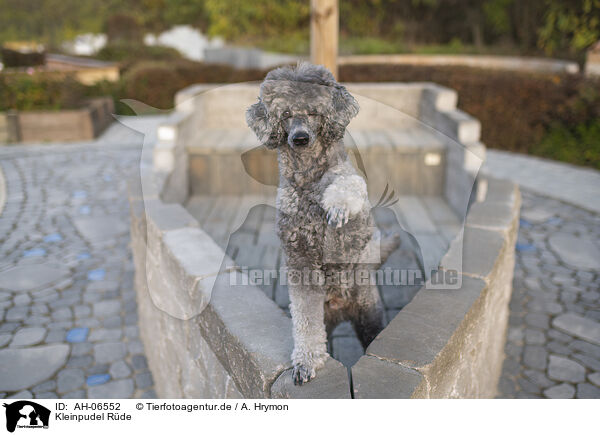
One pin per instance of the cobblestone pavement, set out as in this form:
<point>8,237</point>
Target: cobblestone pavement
<point>68,320</point>
<point>553,342</point>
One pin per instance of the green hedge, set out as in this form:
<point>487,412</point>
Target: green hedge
<point>520,112</point>
<point>40,92</point>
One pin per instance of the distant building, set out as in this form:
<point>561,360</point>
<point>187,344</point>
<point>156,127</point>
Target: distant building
<point>86,44</point>
<point>189,41</point>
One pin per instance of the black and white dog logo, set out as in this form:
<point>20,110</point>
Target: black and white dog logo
<point>26,414</point>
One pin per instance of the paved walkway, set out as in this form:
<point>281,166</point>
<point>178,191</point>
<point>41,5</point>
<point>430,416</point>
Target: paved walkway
<point>572,184</point>
<point>68,320</point>
<point>553,343</point>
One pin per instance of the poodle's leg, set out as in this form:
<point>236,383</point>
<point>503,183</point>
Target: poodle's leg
<point>310,339</point>
<point>367,318</point>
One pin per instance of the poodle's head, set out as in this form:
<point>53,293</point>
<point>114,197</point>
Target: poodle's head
<point>300,106</point>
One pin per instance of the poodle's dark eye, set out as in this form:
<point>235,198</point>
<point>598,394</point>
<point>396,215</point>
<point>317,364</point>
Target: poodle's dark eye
<point>286,114</point>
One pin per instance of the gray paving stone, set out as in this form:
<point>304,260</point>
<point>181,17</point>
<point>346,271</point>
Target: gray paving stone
<point>15,314</point>
<point>46,395</point>
<point>538,320</point>
<point>538,378</point>
<point>150,394</point>
<point>82,311</point>
<point>119,369</point>
<point>80,349</point>
<point>31,277</point>
<point>22,299</point>
<point>63,313</point>
<point>595,378</point>
<point>109,352</point>
<point>98,369</point>
<point>105,335</point>
<point>587,391</point>
<point>535,357</point>
<point>28,337</point>
<point>77,394</point>
<point>143,380</point>
<point>139,362</point>
<point>533,336</point>
<point>562,391</point>
<point>107,308</point>
<point>26,367</point>
<point>558,348</point>
<point>5,339</point>
<point>119,389</point>
<point>80,361</point>
<point>588,361</point>
<point>56,336</point>
<point>24,394</point>
<point>132,331</point>
<point>586,348</point>
<point>578,326</point>
<point>578,252</point>
<point>135,347</point>
<point>69,380</point>
<point>44,387</point>
<point>112,322</point>
<point>96,229</point>
<point>565,369</point>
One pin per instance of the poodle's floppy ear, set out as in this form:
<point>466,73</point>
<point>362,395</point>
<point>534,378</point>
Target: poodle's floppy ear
<point>258,120</point>
<point>345,105</point>
<point>344,108</point>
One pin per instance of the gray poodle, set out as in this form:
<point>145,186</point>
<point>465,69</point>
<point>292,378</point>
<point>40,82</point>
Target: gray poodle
<point>323,211</point>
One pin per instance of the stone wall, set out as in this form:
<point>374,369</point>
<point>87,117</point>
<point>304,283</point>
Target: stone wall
<point>64,125</point>
<point>208,336</point>
<point>449,343</point>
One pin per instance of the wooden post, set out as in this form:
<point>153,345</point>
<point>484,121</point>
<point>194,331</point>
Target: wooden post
<point>324,26</point>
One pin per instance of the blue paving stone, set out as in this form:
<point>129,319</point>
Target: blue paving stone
<point>85,209</point>
<point>525,247</point>
<point>554,221</point>
<point>77,335</point>
<point>83,256</point>
<point>80,194</point>
<point>524,223</point>
<point>107,178</point>
<point>36,252</point>
<point>98,379</point>
<point>96,275</point>
<point>54,237</point>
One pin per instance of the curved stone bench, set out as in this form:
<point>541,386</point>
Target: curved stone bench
<point>207,333</point>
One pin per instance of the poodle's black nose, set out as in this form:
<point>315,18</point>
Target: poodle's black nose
<point>300,139</point>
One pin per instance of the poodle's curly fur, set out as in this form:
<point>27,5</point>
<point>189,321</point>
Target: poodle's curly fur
<point>323,211</point>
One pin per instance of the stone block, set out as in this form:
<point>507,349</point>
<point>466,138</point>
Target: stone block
<point>374,378</point>
<point>255,348</point>
<point>331,382</point>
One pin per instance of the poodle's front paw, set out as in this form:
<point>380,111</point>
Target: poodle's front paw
<point>338,216</point>
<point>301,374</point>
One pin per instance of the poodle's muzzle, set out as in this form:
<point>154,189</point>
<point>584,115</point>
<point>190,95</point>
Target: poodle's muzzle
<point>300,134</point>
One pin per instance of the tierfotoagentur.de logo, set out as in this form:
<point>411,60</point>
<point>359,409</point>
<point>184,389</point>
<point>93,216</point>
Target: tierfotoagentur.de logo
<point>24,414</point>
